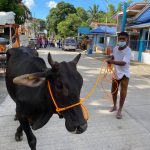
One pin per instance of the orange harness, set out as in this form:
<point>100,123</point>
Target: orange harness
<point>57,108</point>
<point>84,109</point>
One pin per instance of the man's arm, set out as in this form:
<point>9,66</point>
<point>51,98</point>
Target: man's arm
<point>112,61</point>
<point>119,63</point>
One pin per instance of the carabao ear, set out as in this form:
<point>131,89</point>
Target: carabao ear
<point>76,59</point>
<point>54,64</point>
<point>50,60</point>
<point>31,80</point>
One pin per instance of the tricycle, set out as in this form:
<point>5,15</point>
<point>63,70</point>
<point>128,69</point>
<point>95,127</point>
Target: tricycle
<point>9,37</point>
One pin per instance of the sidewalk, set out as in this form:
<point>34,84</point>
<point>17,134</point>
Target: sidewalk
<point>104,132</point>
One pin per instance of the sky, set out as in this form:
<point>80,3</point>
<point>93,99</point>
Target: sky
<point>40,8</point>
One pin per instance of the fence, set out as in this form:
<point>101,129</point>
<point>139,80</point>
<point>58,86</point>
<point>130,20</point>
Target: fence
<point>134,45</point>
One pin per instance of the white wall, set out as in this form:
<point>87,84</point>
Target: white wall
<point>134,55</point>
<point>111,41</point>
<point>146,58</point>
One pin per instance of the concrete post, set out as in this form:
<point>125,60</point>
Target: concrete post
<point>124,17</point>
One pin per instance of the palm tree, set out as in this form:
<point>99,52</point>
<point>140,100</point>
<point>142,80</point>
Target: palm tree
<point>94,12</point>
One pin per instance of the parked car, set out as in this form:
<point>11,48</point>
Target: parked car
<point>3,43</point>
<point>69,44</point>
<point>33,43</point>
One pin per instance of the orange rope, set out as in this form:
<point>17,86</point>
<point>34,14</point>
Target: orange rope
<point>85,112</point>
<point>57,108</point>
<point>109,71</point>
<point>84,109</point>
<point>95,85</point>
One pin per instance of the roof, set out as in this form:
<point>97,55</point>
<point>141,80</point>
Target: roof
<point>104,29</point>
<point>133,10</point>
<point>137,6</point>
<point>144,17</point>
<point>97,24</point>
<point>142,25</point>
<point>130,12</point>
<point>7,18</point>
<point>141,13</point>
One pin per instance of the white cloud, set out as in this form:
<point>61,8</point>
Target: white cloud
<point>52,4</point>
<point>28,3</point>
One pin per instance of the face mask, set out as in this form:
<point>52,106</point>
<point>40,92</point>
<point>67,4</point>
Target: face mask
<point>121,44</point>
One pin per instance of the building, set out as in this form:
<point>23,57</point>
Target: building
<point>104,36</point>
<point>138,27</point>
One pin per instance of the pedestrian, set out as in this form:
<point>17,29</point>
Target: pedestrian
<point>121,60</point>
<point>40,41</point>
<point>43,42</point>
<point>59,43</point>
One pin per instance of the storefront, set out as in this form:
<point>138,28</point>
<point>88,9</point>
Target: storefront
<point>143,53</point>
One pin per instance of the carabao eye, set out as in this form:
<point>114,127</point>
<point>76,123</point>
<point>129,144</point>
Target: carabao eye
<point>59,85</point>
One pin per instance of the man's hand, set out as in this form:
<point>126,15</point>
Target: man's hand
<point>119,63</point>
<point>110,61</point>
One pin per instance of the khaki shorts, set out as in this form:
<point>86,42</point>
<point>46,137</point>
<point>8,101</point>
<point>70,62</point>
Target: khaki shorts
<point>123,83</point>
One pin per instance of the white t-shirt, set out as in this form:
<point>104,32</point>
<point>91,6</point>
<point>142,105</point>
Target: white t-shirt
<point>122,55</point>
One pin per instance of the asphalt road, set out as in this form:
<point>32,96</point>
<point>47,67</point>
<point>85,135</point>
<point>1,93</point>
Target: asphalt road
<point>3,91</point>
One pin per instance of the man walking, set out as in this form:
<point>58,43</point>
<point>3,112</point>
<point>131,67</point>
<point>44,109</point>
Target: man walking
<point>121,61</point>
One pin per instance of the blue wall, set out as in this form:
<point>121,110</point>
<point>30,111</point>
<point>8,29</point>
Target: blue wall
<point>83,30</point>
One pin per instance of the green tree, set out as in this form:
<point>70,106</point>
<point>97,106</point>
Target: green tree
<point>102,16</point>
<point>119,7</point>
<point>82,13</point>
<point>84,24</point>
<point>93,13</point>
<point>21,11</point>
<point>52,21</point>
<point>38,24</point>
<point>41,24</point>
<point>111,12</point>
<point>57,15</point>
<point>69,26</point>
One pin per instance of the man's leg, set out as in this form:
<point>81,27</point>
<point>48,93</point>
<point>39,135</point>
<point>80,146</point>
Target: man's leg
<point>114,92</point>
<point>123,92</point>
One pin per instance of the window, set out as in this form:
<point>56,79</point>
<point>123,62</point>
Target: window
<point>146,35</point>
<point>101,40</point>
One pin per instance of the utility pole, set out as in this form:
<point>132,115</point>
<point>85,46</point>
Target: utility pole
<point>105,35</point>
<point>34,26</point>
<point>124,17</point>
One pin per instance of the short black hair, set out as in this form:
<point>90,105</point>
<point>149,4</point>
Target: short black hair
<point>123,34</point>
